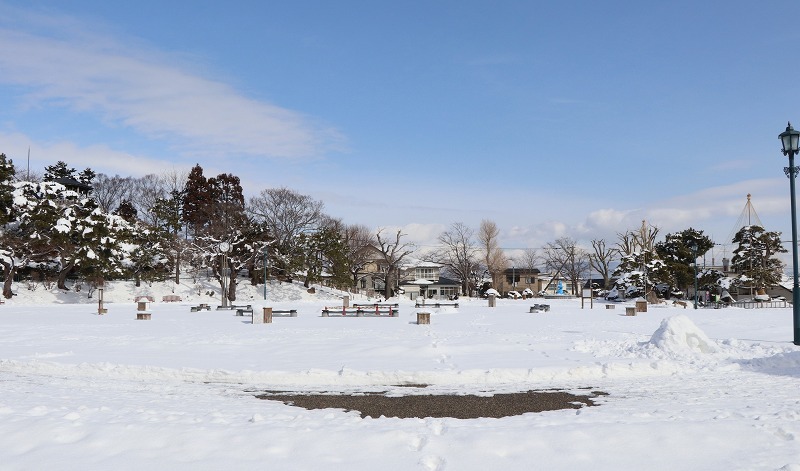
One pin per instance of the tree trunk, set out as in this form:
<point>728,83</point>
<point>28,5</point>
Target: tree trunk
<point>177,268</point>
<point>232,287</point>
<point>8,277</point>
<point>387,289</point>
<point>62,275</point>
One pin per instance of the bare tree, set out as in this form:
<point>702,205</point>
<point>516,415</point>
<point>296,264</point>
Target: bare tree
<point>393,253</point>
<point>529,259</point>
<point>460,253</point>
<point>640,240</point>
<point>147,191</point>
<point>109,192</point>
<point>564,256</point>
<point>602,258</point>
<point>287,215</point>
<point>493,256</point>
<point>359,240</point>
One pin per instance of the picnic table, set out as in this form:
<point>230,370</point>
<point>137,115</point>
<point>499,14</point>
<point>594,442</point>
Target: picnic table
<point>540,307</point>
<point>200,307</point>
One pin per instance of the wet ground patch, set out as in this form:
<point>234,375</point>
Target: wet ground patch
<point>458,406</point>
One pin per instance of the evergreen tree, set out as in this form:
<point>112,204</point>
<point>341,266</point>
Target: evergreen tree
<point>326,251</point>
<point>677,254</point>
<point>62,170</point>
<point>226,208</point>
<point>167,216</point>
<point>126,211</point>
<point>7,175</point>
<point>197,201</point>
<point>639,272</point>
<point>754,258</point>
<point>59,170</point>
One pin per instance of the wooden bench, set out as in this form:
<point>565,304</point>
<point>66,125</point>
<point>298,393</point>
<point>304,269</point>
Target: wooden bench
<point>540,307</point>
<point>240,310</point>
<point>418,305</point>
<point>231,307</point>
<point>378,309</point>
<point>284,312</point>
<point>200,307</point>
<point>340,310</point>
<point>171,298</point>
<point>360,311</point>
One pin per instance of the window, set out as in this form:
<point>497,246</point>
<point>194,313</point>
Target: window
<point>425,273</point>
<point>448,291</point>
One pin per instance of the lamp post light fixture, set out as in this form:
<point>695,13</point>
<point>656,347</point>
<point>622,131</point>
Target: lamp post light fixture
<point>694,256</point>
<point>790,139</point>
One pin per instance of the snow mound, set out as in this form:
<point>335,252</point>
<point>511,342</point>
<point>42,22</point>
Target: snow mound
<point>678,334</point>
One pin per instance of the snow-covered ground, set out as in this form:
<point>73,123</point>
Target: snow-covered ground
<point>688,390</point>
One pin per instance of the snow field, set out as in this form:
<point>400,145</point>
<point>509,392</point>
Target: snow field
<point>706,389</point>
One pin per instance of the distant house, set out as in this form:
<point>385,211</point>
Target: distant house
<point>420,278</point>
<point>782,289</point>
<point>74,185</point>
<point>520,279</point>
<point>369,280</point>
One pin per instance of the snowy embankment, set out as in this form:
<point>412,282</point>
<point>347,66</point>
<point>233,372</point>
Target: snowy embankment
<point>706,389</point>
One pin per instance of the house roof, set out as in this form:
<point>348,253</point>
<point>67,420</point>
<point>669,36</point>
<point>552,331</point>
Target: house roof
<point>440,282</point>
<point>417,263</point>
<point>72,183</point>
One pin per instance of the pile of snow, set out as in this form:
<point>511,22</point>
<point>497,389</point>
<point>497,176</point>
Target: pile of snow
<point>678,334</point>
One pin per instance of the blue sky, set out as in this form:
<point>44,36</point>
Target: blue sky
<point>568,118</point>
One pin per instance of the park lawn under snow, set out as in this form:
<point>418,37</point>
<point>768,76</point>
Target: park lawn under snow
<point>705,389</point>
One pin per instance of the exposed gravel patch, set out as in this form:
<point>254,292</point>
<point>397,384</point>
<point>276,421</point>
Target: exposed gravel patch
<point>445,405</point>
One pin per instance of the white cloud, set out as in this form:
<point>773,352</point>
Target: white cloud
<point>421,235</point>
<point>716,210</point>
<point>149,92</point>
<point>99,158</point>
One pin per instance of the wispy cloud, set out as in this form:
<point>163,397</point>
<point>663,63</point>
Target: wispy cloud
<point>148,91</point>
<point>98,157</point>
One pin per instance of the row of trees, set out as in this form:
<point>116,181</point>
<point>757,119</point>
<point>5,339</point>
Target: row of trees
<point>68,223</point>
<point>637,262</point>
<point>96,227</point>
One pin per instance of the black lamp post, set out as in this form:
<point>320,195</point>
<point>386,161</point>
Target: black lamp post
<point>265,273</point>
<point>224,247</point>
<point>694,256</point>
<point>790,140</point>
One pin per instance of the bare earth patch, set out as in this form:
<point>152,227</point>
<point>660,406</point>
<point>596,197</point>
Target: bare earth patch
<point>444,405</point>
